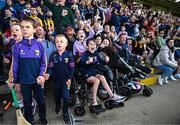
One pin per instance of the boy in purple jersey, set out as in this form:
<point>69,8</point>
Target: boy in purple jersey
<point>29,66</point>
<point>61,66</point>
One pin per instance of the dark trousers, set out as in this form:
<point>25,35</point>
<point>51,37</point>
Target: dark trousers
<point>1,67</point>
<point>61,92</point>
<point>38,92</point>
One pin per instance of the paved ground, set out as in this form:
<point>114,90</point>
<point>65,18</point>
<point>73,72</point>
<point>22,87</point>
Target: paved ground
<point>163,107</point>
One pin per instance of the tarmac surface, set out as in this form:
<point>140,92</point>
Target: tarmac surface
<point>163,107</point>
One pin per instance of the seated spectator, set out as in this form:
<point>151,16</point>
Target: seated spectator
<point>159,40</point>
<point>34,16</point>
<point>88,61</point>
<point>123,31</point>
<point>20,5</point>
<point>98,40</point>
<point>165,62</point>
<point>113,33</point>
<point>177,58</point>
<point>48,21</point>
<point>9,4</point>
<point>70,34</point>
<point>49,46</point>
<point>59,10</point>
<point>79,46</point>
<point>140,48</point>
<point>26,10</point>
<point>77,16</point>
<point>132,59</point>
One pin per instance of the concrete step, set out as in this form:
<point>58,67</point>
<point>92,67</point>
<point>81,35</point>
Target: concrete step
<point>155,71</point>
<point>151,80</point>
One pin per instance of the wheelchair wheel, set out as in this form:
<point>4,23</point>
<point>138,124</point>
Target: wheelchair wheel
<point>102,94</point>
<point>147,91</point>
<point>135,91</point>
<point>125,91</point>
<point>108,105</point>
<point>79,111</point>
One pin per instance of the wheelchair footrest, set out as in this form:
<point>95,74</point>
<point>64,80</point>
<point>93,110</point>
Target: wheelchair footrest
<point>96,109</point>
<point>109,104</point>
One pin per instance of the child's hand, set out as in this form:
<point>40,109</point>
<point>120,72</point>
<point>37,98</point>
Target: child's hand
<point>51,38</point>
<point>106,59</point>
<point>40,80</point>
<point>86,23</point>
<point>46,76</point>
<point>90,60</point>
<point>68,83</point>
<point>64,12</point>
<point>139,57</point>
<point>6,60</point>
<point>40,39</point>
<point>10,84</point>
<point>102,45</point>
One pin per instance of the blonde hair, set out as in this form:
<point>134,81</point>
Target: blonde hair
<point>61,35</point>
<point>14,21</point>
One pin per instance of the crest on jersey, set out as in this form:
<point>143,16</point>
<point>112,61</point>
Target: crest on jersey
<point>66,60</point>
<point>37,52</point>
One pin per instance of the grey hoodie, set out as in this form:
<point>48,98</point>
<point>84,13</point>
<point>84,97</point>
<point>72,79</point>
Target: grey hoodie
<point>165,57</point>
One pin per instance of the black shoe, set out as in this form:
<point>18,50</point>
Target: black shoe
<point>57,109</point>
<point>96,109</point>
<point>66,118</point>
<point>43,122</point>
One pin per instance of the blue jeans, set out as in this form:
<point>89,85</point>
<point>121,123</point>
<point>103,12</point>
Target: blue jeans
<point>167,70</point>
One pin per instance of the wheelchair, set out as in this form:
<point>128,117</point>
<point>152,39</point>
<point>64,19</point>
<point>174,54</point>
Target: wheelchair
<point>129,84</point>
<point>79,95</point>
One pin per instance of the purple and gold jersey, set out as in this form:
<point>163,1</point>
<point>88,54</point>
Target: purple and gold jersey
<point>28,61</point>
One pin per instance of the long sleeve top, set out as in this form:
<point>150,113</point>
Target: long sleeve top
<point>61,67</point>
<point>60,21</point>
<point>28,61</point>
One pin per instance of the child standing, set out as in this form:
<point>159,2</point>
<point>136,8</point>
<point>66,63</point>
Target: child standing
<point>16,37</point>
<point>61,65</point>
<point>29,66</point>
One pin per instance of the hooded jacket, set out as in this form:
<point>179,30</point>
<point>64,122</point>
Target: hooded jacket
<point>165,57</point>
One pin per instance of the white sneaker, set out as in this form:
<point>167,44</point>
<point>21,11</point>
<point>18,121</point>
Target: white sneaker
<point>118,98</point>
<point>177,75</point>
<point>160,81</point>
<point>34,106</point>
<point>165,80</point>
<point>21,104</point>
<point>172,78</point>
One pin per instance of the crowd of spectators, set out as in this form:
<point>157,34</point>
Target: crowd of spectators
<point>142,36</point>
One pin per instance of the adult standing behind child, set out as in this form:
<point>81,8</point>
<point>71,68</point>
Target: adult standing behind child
<point>29,66</point>
<point>49,46</point>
